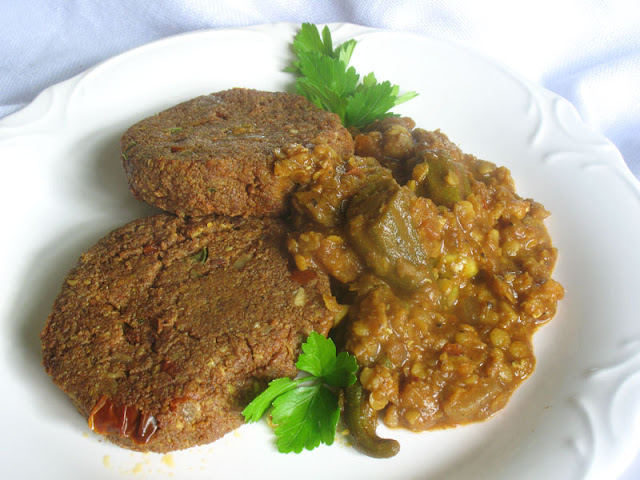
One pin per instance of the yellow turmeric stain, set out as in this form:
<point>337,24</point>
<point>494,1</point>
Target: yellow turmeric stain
<point>168,460</point>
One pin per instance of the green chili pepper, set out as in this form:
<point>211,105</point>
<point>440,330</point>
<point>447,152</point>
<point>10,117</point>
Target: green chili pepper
<point>362,421</point>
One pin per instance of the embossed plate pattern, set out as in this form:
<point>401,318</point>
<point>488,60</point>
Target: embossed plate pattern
<point>62,189</point>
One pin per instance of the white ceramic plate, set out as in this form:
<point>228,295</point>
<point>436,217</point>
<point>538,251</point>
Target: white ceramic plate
<point>62,188</point>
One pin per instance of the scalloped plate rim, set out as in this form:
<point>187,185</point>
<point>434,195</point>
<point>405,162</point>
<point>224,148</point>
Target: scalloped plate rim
<point>36,111</point>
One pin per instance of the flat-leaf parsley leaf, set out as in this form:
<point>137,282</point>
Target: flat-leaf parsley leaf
<point>305,410</point>
<point>325,78</point>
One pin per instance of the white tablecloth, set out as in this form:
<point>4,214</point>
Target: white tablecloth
<point>586,51</point>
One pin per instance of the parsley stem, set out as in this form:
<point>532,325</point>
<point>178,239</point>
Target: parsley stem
<point>310,379</point>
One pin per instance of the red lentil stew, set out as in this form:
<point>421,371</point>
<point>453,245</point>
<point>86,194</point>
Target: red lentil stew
<point>441,272</point>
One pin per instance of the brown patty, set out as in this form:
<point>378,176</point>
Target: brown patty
<point>215,153</point>
<point>181,322</point>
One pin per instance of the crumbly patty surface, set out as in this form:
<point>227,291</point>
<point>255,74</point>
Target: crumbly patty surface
<point>215,153</point>
<point>181,322</point>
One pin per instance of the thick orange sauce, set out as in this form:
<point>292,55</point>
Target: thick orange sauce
<point>442,332</point>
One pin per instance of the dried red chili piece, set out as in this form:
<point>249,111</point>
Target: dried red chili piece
<point>129,418</point>
<point>108,418</point>
<point>147,426</point>
<point>99,414</point>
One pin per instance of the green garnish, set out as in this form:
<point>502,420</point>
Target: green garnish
<point>305,410</point>
<point>201,256</point>
<point>325,79</point>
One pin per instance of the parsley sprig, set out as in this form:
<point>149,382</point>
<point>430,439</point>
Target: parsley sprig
<point>305,410</point>
<point>325,78</point>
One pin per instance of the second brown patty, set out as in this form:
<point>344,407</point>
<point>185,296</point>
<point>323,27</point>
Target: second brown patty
<point>215,153</point>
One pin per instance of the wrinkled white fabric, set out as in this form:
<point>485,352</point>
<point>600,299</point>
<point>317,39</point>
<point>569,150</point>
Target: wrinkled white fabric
<point>587,51</point>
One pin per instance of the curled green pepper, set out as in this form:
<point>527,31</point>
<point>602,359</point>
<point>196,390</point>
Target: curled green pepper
<point>362,421</point>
